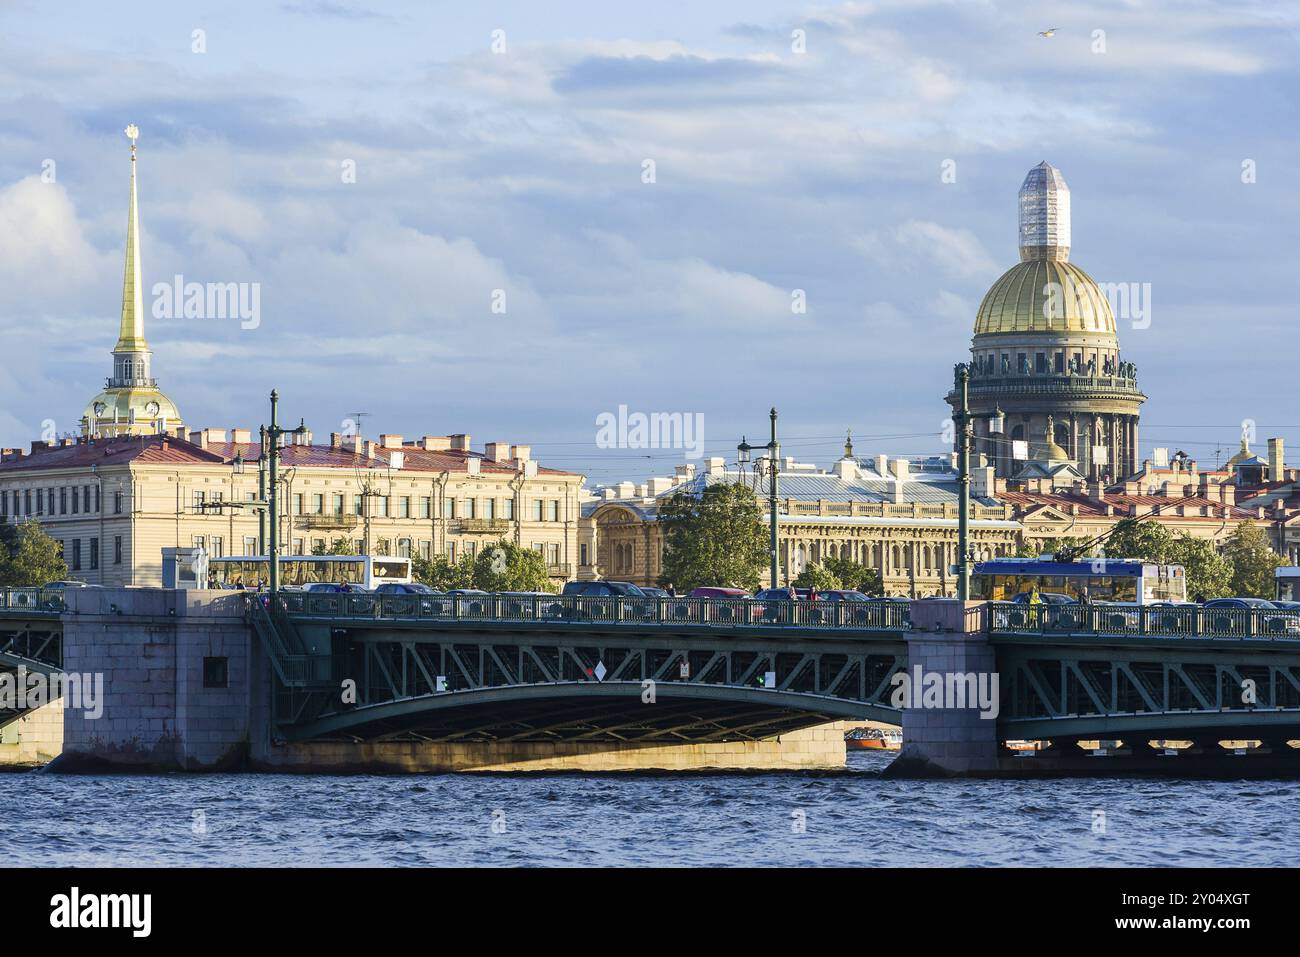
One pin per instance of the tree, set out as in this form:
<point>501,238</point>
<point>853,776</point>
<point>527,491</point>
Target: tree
<point>339,546</point>
<point>1131,538</point>
<point>440,573</point>
<point>507,567</point>
<point>716,538</point>
<point>29,557</point>
<point>1209,574</point>
<point>855,575</point>
<point>1253,562</point>
<point>819,577</point>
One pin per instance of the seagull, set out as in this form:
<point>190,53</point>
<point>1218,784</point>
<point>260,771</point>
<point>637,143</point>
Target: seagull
<point>1047,33</point>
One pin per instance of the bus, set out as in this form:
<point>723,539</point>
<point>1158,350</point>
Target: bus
<point>298,571</point>
<point>1107,579</point>
<point>1288,583</point>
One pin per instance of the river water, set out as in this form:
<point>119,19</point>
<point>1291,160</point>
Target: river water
<point>852,817</point>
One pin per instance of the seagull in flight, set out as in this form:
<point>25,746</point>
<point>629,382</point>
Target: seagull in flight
<point>1051,32</point>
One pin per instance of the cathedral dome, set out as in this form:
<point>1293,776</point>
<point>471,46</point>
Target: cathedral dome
<point>112,410</point>
<point>1044,295</point>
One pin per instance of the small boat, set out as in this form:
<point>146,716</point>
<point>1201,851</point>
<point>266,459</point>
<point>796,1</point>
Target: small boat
<point>874,739</point>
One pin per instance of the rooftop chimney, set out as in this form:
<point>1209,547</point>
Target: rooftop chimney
<point>497,451</point>
<point>1276,466</point>
<point>521,453</point>
<point>389,441</point>
<point>460,442</point>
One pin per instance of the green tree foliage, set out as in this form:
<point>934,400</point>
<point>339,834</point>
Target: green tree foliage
<point>1209,574</point>
<point>854,575</point>
<point>819,577</point>
<point>1253,562</point>
<point>29,557</point>
<point>440,573</point>
<point>717,538</point>
<point>339,546</point>
<point>507,567</point>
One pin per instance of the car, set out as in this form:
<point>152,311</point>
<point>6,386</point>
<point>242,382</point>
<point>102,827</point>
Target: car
<point>1255,603</point>
<point>775,594</point>
<point>843,594</point>
<point>328,588</point>
<point>602,589</point>
<point>406,588</point>
<point>711,591</point>
<point>64,584</point>
<point>651,592</point>
<point>1045,598</point>
<point>1285,605</point>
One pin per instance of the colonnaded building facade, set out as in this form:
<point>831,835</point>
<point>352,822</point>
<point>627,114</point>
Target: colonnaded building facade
<point>136,481</point>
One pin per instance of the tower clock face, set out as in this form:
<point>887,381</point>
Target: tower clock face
<point>100,408</point>
<point>152,408</point>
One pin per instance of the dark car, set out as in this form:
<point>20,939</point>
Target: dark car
<point>1045,598</point>
<point>711,591</point>
<point>775,594</point>
<point>651,592</point>
<point>405,588</point>
<point>1249,615</point>
<point>603,589</point>
<point>843,594</point>
<point>1257,603</point>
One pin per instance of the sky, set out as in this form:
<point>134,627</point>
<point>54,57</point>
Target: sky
<point>445,210</point>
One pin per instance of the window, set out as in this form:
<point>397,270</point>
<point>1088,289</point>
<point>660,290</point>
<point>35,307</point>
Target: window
<point>382,509</point>
<point>117,549</point>
<point>94,554</point>
<point>76,554</point>
<point>50,506</point>
<point>404,509</point>
<point>359,505</point>
<point>117,503</point>
<point>74,501</point>
<point>426,506</point>
<point>4,503</point>
<point>451,551</point>
<point>510,509</point>
<point>1040,363</point>
<point>404,547</point>
<point>85,499</point>
<point>537,510</point>
<point>199,499</point>
<point>582,555</point>
<point>299,545</point>
<point>297,503</point>
<point>338,504</point>
<point>553,512</point>
<point>216,672</point>
<point>199,541</point>
<point>449,508</point>
<point>63,501</point>
<point>1060,362</point>
<point>97,491</point>
<point>383,547</point>
<point>40,502</point>
<point>469,508</point>
<point>250,545</point>
<point>218,547</point>
<point>426,549</point>
<point>553,554</point>
<point>489,508</point>
<point>27,502</point>
<point>318,504</point>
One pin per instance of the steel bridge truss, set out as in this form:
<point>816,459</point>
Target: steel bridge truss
<point>1074,689</point>
<point>466,685</point>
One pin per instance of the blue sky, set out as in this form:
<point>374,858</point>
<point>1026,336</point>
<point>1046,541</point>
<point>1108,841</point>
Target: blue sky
<point>522,171</point>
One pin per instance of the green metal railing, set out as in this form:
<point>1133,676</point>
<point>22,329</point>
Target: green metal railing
<point>711,612</point>
<point>1143,621</point>
<point>27,601</point>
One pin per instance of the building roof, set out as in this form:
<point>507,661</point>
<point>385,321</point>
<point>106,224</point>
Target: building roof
<point>142,449</point>
<point>413,459</point>
<point>1044,295</point>
<point>1122,504</point>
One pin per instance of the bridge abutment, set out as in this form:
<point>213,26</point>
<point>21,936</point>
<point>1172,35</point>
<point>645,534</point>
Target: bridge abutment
<point>174,672</point>
<point>947,645</point>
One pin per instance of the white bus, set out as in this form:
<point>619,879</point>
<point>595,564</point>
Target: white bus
<point>299,571</point>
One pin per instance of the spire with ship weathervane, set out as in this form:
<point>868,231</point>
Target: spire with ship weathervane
<point>131,337</point>
<point>131,403</point>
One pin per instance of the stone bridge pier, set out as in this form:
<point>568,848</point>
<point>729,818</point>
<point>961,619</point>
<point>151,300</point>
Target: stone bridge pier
<point>950,660</point>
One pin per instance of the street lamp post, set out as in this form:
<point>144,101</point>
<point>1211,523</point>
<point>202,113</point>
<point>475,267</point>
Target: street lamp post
<point>963,420</point>
<point>272,434</point>
<point>773,448</point>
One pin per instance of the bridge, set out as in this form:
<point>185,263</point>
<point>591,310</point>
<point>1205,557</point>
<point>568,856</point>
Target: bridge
<point>31,640</point>
<point>361,668</point>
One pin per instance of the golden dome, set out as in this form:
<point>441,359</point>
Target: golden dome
<point>115,410</point>
<point>1044,295</point>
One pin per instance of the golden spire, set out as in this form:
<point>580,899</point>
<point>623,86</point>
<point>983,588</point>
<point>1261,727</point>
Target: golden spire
<point>131,337</point>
